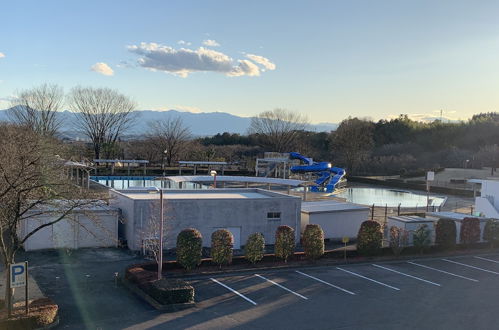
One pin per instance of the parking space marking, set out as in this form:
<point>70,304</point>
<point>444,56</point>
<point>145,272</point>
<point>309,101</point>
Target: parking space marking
<point>404,274</point>
<point>442,271</point>
<point>282,287</point>
<point>369,279</point>
<point>486,259</point>
<point>470,266</point>
<point>324,282</point>
<point>234,291</point>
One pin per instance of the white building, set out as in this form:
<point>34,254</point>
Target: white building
<point>411,223</point>
<point>337,219</point>
<point>487,204</point>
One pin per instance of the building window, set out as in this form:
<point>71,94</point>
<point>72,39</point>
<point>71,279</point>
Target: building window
<point>274,215</point>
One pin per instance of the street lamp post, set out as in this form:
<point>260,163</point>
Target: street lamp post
<point>213,173</point>
<point>164,156</point>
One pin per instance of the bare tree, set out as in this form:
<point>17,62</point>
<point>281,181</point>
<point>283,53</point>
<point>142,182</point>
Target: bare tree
<point>278,128</point>
<point>103,115</point>
<point>38,108</point>
<point>32,183</point>
<point>170,137</point>
<point>353,141</point>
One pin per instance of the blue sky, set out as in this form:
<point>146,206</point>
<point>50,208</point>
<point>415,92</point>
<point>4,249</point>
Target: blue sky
<point>328,59</point>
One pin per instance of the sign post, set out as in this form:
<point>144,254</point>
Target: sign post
<point>18,277</point>
<point>430,176</point>
<point>345,240</point>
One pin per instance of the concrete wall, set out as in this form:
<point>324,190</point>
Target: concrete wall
<point>488,203</point>
<point>338,224</point>
<point>208,215</point>
<point>77,230</point>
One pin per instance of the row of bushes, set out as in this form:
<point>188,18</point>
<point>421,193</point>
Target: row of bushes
<point>369,239</point>
<point>190,241</point>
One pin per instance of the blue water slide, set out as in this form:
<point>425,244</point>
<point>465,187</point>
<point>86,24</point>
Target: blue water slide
<point>328,177</point>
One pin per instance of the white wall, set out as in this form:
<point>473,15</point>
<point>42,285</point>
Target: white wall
<point>336,224</point>
<point>78,230</point>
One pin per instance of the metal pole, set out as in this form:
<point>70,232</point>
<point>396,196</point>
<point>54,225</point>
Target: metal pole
<point>160,265</point>
<point>26,288</point>
<point>427,195</point>
<point>9,293</point>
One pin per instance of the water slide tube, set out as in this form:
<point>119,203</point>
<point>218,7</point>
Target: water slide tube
<point>329,177</point>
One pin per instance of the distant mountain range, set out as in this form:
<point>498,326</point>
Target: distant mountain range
<point>200,124</point>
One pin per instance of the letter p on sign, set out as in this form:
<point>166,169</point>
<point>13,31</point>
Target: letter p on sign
<point>18,275</point>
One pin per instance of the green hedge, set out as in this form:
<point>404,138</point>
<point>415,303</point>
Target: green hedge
<point>445,233</point>
<point>189,248</point>
<point>422,238</point>
<point>255,247</point>
<point>491,231</point>
<point>369,238</point>
<point>313,241</point>
<point>470,231</point>
<point>284,242</point>
<point>222,243</point>
<point>171,291</point>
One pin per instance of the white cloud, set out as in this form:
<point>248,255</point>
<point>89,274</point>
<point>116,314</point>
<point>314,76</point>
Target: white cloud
<point>2,55</point>
<point>183,42</point>
<point>263,61</point>
<point>102,68</point>
<point>210,43</point>
<point>183,61</point>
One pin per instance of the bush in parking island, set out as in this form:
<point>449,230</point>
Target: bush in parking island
<point>399,238</point>
<point>369,238</point>
<point>491,232</point>
<point>222,243</point>
<point>470,231</point>
<point>189,248</point>
<point>255,247</point>
<point>445,233</point>
<point>422,238</point>
<point>313,241</point>
<point>284,242</point>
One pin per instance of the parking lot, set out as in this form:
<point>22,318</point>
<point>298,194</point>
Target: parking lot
<point>458,292</point>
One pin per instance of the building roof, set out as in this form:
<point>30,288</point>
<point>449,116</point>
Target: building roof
<point>197,194</point>
<point>412,219</point>
<point>454,215</point>
<point>228,178</point>
<point>330,206</point>
<point>196,162</point>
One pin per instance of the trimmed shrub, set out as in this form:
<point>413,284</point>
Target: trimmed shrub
<point>445,233</point>
<point>171,291</point>
<point>255,247</point>
<point>422,238</point>
<point>369,238</point>
<point>189,248</point>
<point>398,239</point>
<point>470,231</point>
<point>284,242</point>
<point>222,243</point>
<point>313,241</point>
<point>491,232</point>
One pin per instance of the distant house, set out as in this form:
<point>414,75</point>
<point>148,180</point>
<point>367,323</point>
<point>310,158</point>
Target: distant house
<point>487,204</point>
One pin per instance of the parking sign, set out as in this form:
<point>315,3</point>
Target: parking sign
<point>18,275</point>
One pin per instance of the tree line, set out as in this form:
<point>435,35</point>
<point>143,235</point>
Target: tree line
<point>362,146</point>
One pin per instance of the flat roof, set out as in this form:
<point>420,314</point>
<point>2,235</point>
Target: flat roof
<point>195,194</point>
<point>198,162</point>
<point>412,218</point>
<point>228,178</point>
<point>139,161</point>
<point>455,215</point>
<point>330,206</point>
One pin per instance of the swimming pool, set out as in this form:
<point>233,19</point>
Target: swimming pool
<point>126,182</point>
<point>388,197</point>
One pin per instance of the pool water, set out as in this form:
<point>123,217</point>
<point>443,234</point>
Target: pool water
<point>388,197</point>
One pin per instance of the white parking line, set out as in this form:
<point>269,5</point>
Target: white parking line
<point>404,274</point>
<point>319,280</point>
<point>282,287</point>
<point>369,279</point>
<point>234,291</point>
<point>486,259</point>
<point>469,266</point>
<point>442,271</point>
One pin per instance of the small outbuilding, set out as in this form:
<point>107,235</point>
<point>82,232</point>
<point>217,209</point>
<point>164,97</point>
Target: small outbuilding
<point>337,219</point>
<point>85,227</point>
<point>241,211</point>
<point>411,223</point>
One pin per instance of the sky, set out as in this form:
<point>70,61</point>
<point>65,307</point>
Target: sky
<point>326,59</point>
